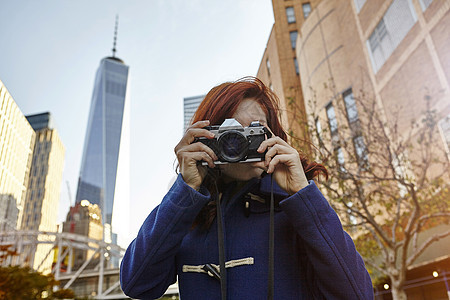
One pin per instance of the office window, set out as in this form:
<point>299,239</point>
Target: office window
<point>359,4</point>
<point>390,31</point>
<point>361,152</point>
<point>425,3</point>
<point>318,126</point>
<point>268,66</point>
<point>318,129</point>
<point>444,129</point>
<point>340,159</point>
<point>296,66</point>
<point>332,121</point>
<point>306,9</point>
<point>293,36</point>
<point>290,14</point>
<point>350,106</point>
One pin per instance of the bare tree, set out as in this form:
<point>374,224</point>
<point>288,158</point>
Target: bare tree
<point>389,186</point>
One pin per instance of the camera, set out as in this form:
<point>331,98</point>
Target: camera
<point>234,143</point>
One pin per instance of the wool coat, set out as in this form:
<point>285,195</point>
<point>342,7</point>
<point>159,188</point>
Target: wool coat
<point>314,258</point>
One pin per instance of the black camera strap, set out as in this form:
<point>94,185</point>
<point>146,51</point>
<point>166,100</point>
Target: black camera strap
<point>270,281</point>
<point>220,237</point>
<point>221,244</point>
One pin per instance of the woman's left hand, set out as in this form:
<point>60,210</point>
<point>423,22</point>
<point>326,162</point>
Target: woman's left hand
<point>283,162</point>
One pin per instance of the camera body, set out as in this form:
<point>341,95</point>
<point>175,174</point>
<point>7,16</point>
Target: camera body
<point>234,143</point>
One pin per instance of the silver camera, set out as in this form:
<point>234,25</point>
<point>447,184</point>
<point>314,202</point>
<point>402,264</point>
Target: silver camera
<point>234,143</point>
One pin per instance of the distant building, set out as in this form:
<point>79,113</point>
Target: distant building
<point>98,174</point>
<point>16,148</point>
<point>44,186</point>
<point>84,219</point>
<point>190,106</point>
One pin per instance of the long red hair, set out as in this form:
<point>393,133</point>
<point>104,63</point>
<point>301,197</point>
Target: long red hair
<point>222,101</point>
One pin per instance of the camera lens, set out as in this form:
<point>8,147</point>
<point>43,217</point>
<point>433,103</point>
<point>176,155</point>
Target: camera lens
<point>233,146</point>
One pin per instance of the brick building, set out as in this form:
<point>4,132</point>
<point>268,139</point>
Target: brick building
<point>279,68</point>
<point>396,52</point>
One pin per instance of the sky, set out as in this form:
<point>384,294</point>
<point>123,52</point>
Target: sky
<point>51,49</point>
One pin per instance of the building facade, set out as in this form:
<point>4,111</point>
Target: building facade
<point>84,219</point>
<point>97,181</point>
<point>44,186</point>
<point>279,68</point>
<point>190,105</point>
<point>16,148</point>
<point>396,53</point>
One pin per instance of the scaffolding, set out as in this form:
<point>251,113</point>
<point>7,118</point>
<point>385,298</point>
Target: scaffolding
<point>102,266</point>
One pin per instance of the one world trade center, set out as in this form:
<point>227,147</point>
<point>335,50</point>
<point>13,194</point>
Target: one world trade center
<point>102,145</point>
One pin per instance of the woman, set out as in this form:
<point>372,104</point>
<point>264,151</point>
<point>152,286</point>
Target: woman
<point>307,255</point>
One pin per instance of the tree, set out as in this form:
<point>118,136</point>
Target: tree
<point>388,185</point>
<point>23,283</point>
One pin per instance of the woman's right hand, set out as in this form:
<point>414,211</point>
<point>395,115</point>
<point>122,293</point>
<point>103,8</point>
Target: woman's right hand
<point>190,153</point>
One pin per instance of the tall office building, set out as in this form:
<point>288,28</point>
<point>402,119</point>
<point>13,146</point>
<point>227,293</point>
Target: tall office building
<point>44,187</point>
<point>16,148</point>
<point>190,106</point>
<point>98,182</point>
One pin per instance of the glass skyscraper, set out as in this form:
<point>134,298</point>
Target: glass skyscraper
<point>98,173</point>
<point>190,106</point>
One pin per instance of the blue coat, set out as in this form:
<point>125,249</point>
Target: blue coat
<point>314,257</point>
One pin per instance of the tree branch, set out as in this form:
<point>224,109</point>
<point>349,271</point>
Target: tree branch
<point>425,245</point>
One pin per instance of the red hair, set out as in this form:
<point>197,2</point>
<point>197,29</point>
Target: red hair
<point>222,101</point>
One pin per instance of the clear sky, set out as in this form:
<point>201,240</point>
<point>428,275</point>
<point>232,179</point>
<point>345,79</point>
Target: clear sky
<point>51,49</point>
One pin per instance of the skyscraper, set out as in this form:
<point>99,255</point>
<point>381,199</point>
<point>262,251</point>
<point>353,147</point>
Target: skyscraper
<point>190,106</point>
<point>98,173</point>
<point>44,187</point>
<point>16,149</point>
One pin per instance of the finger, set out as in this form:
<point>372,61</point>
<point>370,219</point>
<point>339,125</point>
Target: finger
<point>197,147</point>
<point>271,142</point>
<point>199,124</point>
<point>275,150</point>
<point>197,157</point>
<point>195,132</point>
<point>259,164</point>
<point>192,133</point>
<point>283,159</point>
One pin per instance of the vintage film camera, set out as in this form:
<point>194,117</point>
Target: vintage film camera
<point>234,143</point>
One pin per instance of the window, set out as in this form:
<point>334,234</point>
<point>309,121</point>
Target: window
<point>361,152</point>
<point>318,129</point>
<point>390,31</point>
<point>296,65</point>
<point>268,66</point>
<point>332,121</point>
<point>293,36</point>
<point>425,3</point>
<point>318,126</point>
<point>350,106</point>
<point>306,9</point>
<point>359,4</point>
<point>444,129</point>
<point>290,14</point>
<point>340,159</point>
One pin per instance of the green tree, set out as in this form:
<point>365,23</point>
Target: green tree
<point>23,283</point>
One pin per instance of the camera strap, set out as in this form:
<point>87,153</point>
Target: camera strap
<point>270,281</point>
<point>221,244</point>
